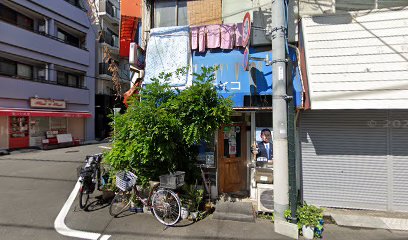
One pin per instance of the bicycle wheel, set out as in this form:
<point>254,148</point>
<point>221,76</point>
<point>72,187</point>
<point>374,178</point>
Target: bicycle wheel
<point>166,207</point>
<point>120,203</point>
<point>83,197</point>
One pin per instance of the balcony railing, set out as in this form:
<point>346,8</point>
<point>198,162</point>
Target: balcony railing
<point>103,69</point>
<point>110,39</point>
<point>109,8</point>
<point>42,80</point>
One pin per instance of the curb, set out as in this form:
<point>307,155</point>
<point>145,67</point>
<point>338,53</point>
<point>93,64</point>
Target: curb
<point>354,220</point>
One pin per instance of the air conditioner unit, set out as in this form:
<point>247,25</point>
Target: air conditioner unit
<point>265,197</point>
<point>115,41</point>
<point>136,56</point>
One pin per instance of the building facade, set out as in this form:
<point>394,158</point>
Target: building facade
<point>47,73</point>
<point>209,33</point>
<point>107,97</point>
<point>352,133</point>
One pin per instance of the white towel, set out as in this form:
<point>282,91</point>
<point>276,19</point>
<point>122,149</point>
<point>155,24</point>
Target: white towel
<point>168,49</point>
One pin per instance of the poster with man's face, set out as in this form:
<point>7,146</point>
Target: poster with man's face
<point>258,133</point>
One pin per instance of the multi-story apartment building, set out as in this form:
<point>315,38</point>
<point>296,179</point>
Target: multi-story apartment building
<point>47,72</point>
<point>107,98</point>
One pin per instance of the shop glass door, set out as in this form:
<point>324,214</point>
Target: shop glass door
<point>19,134</point>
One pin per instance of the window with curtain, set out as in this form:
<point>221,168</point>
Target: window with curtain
<point>73,80</point>
<point>7,67</point>
<point>8,14</point>
<point>70,79</point>
<point>61,78</point>
<point>24,71</point>
<point>68,38</point>
<point>170,13</point>
<point>11,16</point>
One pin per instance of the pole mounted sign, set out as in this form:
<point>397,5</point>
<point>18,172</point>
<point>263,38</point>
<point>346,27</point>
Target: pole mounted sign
<point>246,33</point>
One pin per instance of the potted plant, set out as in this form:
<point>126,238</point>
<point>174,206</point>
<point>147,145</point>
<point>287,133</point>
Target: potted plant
<point>184,212</point>
<point>194,199</point>
<point>139,206</point>
<point>108,192</point>
<point>309,217</point>
<point>108,185</point>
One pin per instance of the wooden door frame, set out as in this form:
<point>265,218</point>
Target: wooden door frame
<point>220,155</point>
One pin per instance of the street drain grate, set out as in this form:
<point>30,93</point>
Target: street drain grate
<point>72,151</point>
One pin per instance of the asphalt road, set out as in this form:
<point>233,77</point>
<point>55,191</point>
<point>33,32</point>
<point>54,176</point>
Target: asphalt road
<point>34,187</point>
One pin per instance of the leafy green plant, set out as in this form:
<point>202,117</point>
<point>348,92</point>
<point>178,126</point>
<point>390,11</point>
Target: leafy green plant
<point>159,131</point>
<point>309,215</point>
<point>287,214</point>
<point>266,216</point>
<point>193,197</point>
<point>110,181</point>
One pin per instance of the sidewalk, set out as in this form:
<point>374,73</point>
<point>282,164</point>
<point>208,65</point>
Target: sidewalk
<point>369,219</point>
<point>35,149</point>
<point>145,226</point>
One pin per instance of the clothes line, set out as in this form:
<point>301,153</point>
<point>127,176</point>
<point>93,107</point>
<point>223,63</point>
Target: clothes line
<point>224,36</point>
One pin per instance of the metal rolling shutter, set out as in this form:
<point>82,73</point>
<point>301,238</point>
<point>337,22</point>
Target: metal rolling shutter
<point>398,123</point>
<point>344,158</point>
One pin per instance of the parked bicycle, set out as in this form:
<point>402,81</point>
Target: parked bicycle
<point>162,200</point>
<point>89,177</point>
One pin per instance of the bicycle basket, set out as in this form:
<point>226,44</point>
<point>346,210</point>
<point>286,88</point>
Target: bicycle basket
<point>173,180</point>
<point>125,180</point>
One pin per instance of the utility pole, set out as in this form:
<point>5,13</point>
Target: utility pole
<point>280,122</point>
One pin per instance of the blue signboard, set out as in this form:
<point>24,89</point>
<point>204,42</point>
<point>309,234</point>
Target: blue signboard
<point>246,88</point>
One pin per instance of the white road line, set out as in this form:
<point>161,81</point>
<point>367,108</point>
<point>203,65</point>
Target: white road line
<point>105,147</point>
<point>59,223</point>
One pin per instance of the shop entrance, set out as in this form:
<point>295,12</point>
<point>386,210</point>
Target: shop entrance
<point>18,130</point>
<point>232,158</point>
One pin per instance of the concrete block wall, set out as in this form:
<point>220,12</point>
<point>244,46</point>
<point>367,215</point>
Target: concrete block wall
<point>204,12</point>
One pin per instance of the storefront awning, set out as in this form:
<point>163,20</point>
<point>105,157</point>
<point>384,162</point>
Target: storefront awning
<point>31,113</point>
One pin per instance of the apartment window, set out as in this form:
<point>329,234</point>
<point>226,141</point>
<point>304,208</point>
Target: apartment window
<point>110,9</point>
<point>9,15</point>
<point>41,73</point>
<point>42,27</point>
<point>170,13</point>
<point>8,68</point>
<point>110,38</point>
<point>68,38</point>
<point>70,79</point>
<point>76,3</point>
<point>24,71</point>
<point>15,69</point>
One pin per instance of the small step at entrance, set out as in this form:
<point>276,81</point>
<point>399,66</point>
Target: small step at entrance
<point>234,211</point>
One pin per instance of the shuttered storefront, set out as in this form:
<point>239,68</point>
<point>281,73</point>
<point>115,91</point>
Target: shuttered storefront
<point>355,158</point>
<point>399,152</point>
